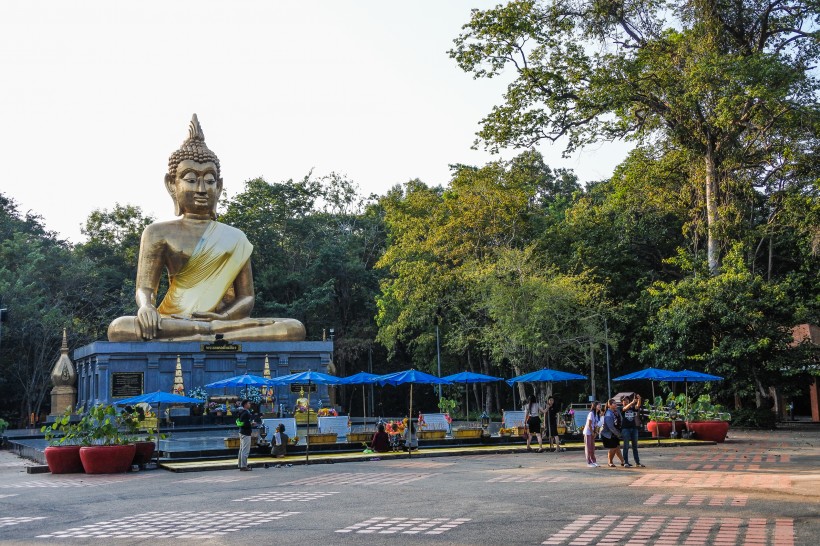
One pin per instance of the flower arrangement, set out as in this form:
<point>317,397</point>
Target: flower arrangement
<point>199,393</point>
<point>506,431</point>
<point>327,412</point>
<point>294,440</point>
<point>251,393</point>
<point>395,428</point>
<point>214,407</point>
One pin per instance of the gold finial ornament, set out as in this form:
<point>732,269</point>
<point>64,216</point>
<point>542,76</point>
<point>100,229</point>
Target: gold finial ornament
<point>63,377</point>
<point>179,387</point>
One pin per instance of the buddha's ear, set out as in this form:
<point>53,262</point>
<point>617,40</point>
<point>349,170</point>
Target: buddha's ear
<point>219,187</point>
<point>170,185</point>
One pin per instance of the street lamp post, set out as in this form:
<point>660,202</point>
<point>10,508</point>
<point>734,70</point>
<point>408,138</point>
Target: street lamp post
<point>438,358</point>
<point>608,377</point>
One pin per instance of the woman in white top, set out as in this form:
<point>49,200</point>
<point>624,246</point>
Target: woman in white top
<point>590,432</point>
<point>532,413</point>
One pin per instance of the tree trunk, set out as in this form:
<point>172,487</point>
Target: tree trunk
<point>485,369</point>
<point>712,250</point>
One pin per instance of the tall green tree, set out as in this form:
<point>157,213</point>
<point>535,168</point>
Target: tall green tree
<point>718,78</point>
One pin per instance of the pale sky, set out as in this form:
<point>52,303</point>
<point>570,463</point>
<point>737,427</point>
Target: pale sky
<point>95,95</point>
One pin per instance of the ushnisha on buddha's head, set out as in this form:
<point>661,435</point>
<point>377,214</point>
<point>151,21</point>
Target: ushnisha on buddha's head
<point>193,179</point>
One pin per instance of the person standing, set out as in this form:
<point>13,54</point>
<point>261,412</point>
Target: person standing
<point>245,422</point>
<point>533,414</point>
<point>411,440</point>
<point>630,423</point>
<point>611,434</point>
<point>552,424</point>
<point>590,432</point>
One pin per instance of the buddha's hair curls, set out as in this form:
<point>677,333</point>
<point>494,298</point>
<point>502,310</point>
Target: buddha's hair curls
<point>194,148</point>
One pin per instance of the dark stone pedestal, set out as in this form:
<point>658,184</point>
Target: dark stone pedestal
<point>108,371</point>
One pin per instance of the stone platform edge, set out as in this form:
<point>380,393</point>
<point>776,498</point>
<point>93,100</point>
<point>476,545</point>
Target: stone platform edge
<point>257,462</point>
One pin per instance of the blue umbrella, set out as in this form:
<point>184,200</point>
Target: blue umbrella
<point>653,374</point>
<point>471,377</point>
<point>245,380</point>
<point>689,375</point>
<point>545,374</point>
<point>411,376</point>
<point>309,377</point>
<point>158,398</point>
<point>361,378</point>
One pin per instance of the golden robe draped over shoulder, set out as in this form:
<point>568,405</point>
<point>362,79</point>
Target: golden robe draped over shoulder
<point>210,271</point>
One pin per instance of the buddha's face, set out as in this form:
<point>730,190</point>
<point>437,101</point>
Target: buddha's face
<point>195,188</point>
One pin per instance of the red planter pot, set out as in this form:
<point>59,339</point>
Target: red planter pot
<point>663,429</point>
<point>63,459</point>
<point>107,459</point>
<point>144,453</point>
<point>711,431</point>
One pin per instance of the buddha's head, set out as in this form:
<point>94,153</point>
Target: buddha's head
<point>193,179</point>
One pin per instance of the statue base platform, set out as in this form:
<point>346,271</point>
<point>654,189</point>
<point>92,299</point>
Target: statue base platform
<point>110,371</point>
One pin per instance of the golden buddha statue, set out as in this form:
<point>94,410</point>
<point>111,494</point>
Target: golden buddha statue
<point>210,279</point>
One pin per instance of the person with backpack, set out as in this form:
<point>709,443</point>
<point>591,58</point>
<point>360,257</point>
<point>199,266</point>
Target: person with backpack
<point>630,423</point>
<point>245,423</point>
<point>611,433</point>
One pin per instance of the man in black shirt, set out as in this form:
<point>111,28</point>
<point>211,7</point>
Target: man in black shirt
<point>630,423</point>
<point>245,422</point>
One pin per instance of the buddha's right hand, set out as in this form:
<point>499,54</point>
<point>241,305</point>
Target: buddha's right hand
<point>149,321</point>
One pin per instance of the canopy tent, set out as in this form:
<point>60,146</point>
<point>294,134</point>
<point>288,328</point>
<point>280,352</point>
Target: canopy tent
<point>361,378</point>
<point>652,374</point>
<point>158,398</point>
<point>468,378</point>
<point>411,376</point>
<point>546,375</point>
<point>309,378</point>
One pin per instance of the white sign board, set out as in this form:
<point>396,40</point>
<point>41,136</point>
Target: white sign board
<point>290,426</point>
<point>339,425</point>
<point>435,421</point>
<point>513,419</point>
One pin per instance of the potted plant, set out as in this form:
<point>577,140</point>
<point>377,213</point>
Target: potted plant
<point>659,424</point>
<point>708,421</point>
<point>110,451</point>
<point>144,448</point>
<point>64,442</point>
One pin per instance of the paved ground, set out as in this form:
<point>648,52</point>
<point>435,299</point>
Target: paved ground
<point>755,489</point>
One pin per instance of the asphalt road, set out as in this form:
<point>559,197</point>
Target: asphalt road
<point>757,488</point>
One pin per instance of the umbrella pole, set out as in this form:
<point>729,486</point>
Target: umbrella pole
<point>467,400</point>
<point>410,427</point>
<point>364,408</point>
<point>307,435</point>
